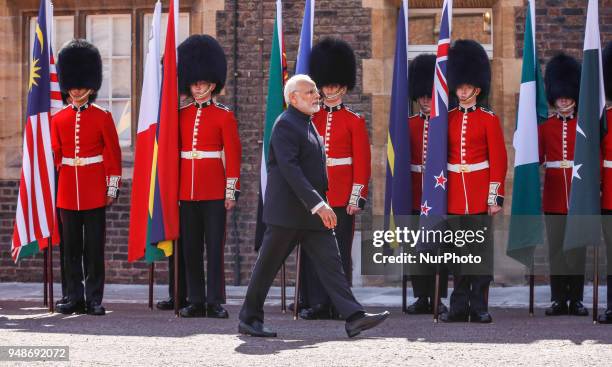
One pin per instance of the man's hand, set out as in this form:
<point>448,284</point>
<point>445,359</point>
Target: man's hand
<point>352,210</point>
<point>230,204</point>
<point>109,201</point>
<point>494,209</point>
<point>328,217</point>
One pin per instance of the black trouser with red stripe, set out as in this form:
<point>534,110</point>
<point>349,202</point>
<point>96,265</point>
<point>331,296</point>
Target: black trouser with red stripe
<point>471,281</point>
<point>313,292</point>
<point>83,237</point>
<point>566,267</point>
<point>606,221</point>
<point>203,221</point>
<point>181,275</point>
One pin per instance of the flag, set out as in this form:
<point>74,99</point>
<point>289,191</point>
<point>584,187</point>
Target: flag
<point>35,216</point>
<point>526,226</point>
<point>275,104</point>
<point>56,94</point>
<point>301,65</point>
<point>582,228</point>
<point>146,145</point>
<point>398,185</point>
<point>434,200</point>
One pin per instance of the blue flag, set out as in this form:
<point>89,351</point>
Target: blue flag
<point>398,186</point>
<point>305,46</point>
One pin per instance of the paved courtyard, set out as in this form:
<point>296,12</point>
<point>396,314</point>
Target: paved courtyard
<point>132,335</point>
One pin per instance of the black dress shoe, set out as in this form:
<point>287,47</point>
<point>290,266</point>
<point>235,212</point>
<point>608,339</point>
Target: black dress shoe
<point>364,322</point>
<point>61,300</point>
<point>441,308</point>
<point>556,309</point>
<point>256,329</point>
<point>606,317</point>
<point>420,307</point>
<point>193,310</point>
<point>96,309</point>
<point>317,312</point>
<point>453,317</point>
<point>71,307</point>
<point>216,311</point>
<point>481,317</point>
<point>165,305</point>
<point>576,308</point>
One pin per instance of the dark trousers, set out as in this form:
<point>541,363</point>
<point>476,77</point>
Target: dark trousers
<point>311,288</point>
<point>204,221</point>
<point>423,275</point>
<point>606,221</point>
<point>566,267</point>
<point>321,247</point>
<point>83,235</point>
<point>471,281</point>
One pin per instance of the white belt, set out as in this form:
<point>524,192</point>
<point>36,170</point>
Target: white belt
<point>560,164</point>
<point>417,168</point>
<point>82,161</point>
<point>200,154</point>
<point>339,161</point>
<point>467,167</point>
<point>607,164</point>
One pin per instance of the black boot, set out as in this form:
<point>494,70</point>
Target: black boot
<point>71,307</point>
<point>606,317</point>
<point>420,307</point>
<point>576,308</point>
<point>216,311</point>
<point>193,310</point>
<point>556,309</point>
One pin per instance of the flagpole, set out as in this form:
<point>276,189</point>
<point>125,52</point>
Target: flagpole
<point>45,282</point>
<point>50,276</point>
<point>296,295</point>
<point>596,282</point>
<point>176,279</point>
<point>283,290</point>
<point>531,290</point>
<point>151,276</point>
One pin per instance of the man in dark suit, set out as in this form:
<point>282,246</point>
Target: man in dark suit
<point>295,210</point>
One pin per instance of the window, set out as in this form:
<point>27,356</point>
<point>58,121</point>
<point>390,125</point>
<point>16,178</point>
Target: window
<point>112,34</point>
<point>467,23</point>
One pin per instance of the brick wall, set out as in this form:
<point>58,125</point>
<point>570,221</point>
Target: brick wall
<point>343,18</point>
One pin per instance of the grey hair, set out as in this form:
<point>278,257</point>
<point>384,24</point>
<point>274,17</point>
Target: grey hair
<point>291,85</point>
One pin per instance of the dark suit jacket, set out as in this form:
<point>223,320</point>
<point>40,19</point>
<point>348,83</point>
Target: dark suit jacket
<point>297,175</point>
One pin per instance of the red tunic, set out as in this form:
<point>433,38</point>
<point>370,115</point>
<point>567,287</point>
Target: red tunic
<point>348,151</point>
<point>207,130</point>
<point>606,174</point>
<point>418,154</point>
<point>476,149</point>
<point>81,135</point>
<point>557,139</point>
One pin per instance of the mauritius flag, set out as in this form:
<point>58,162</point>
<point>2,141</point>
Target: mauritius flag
<point>526,226</point>
<point>274,107</point>
<point>582,228</point>
<point>154,212</point>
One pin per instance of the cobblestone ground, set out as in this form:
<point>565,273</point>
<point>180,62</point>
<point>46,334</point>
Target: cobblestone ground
<point>131,335</point>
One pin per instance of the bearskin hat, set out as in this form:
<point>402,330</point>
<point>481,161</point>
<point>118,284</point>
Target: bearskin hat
<point>421,75</point>
<point>468,63</point>
<point>79,65</point>
<point>607,69</point>
<point>201,58</point>
<point>332,61</point>
<point>562,78</point>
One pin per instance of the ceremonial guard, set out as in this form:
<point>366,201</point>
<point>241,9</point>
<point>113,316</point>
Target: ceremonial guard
<point>477,163</point>
<point>421,73</point>
<point>347,148</point>
<point>557,137</point>
<point>87,155</point>
<point>209,173</point>
<point>606,184</point>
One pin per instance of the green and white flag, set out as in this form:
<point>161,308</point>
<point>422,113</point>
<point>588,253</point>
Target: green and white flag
<point>583,225</point>
<point>274,107</point>
<point>526,225</point>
